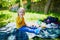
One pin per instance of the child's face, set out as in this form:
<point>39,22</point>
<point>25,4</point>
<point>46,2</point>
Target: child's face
<point>21,13</point>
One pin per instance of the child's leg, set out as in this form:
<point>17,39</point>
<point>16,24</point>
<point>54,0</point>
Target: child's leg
<point>27,29</point>
<point>33,27</point>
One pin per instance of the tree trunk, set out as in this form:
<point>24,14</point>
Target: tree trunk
<point>47,6</point>
<point>28,4</point>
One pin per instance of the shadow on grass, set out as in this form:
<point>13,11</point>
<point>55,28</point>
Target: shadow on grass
<point>3,19</point>
<point>4,16</point>
<point>56,15</point>
<point>31,11</point>
<point>38,38</point>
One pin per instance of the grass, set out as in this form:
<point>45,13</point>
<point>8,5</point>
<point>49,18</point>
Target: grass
<point>7,16</point>
<point>45,39</point>
<point>35,16</point>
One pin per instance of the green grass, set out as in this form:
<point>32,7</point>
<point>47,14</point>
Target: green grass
<point>35,16</point>
<point>7,16</point>
<point>46,38</point>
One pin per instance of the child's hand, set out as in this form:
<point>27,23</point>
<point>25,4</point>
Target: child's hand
<point>43,25</point>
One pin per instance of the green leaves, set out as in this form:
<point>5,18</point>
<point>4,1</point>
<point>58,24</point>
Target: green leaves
<point>37,0</point>
<point>7,3</point>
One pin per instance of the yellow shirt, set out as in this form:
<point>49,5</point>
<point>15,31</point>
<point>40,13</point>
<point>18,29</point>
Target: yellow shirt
<point>19,22</point>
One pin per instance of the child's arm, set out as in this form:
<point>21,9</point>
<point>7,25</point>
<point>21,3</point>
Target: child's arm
<point>18,22</point>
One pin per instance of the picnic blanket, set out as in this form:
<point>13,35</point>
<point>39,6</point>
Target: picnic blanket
<point>7,33</point>
<point>49,33</point>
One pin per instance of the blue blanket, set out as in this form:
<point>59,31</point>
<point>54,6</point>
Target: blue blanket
<point>11,34</point>
<point>49,33</point>
<point>45,33</point>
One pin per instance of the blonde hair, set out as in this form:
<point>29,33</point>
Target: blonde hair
<point>20,9</point>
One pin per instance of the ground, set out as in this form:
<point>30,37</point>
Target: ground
<point>7,16</point>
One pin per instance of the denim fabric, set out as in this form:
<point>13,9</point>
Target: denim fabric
<point>30,29</point>
<point>20,35</point>
<point>3,35</point>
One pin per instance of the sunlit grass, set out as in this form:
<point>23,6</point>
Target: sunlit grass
<point>29,16</point>
<point>34,16</point>
<point>8,16</point>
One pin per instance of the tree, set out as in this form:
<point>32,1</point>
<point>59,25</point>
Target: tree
<point>46,9</point>
<point>21,3</point>
<point>28,4</point>
<point>6,3</point>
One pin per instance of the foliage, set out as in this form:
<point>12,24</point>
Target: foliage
<point>7,3</point>
<point>6,17</point>
<point>37,0</point>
